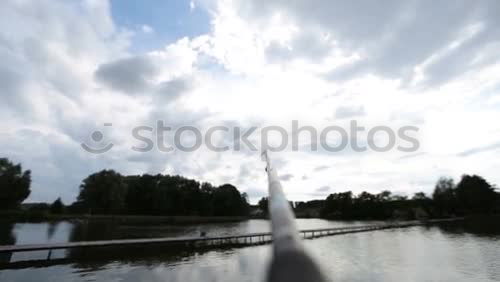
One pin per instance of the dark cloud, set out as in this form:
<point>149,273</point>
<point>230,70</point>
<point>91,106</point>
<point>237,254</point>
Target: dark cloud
<point>130,75</point>
<point>344,112</point>
<point>321,168</point>
<point>286,177</point>
<point>11,84</point>
<point>481,149</point>
<point>411,156</point>
<point>323,189</point>
<point>413,118</point>
<point>168,91</point>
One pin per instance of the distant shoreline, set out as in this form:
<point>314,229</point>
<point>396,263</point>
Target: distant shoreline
<point>26,217</point>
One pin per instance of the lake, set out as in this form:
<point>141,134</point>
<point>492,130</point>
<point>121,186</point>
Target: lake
<point>446,252</point>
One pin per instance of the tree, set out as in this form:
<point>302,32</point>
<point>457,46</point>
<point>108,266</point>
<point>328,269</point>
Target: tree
<point>207,192</point>
<point>141,192</point>
<point>384,196</point>
<point>367,205</point>
<point>103,192</point>
<point>475,194</point>
<point>422,205</point>
<point>177,195</point>
<point>263,204</point>
<point>229,202</point>
<point>338,205</point>
<point>109,192</point>
<point>419,196</point>
<point>14,184</point>
<point>57,207</point>
<point>444,196</point>
<point>420,199</point>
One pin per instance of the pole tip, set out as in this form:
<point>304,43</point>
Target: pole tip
<point>263,155</point>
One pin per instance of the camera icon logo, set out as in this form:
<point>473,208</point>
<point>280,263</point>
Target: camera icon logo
<point>97,137</point>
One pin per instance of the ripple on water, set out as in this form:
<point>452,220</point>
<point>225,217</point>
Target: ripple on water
<point>411,254</point>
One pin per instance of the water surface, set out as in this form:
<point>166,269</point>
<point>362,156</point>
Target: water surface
<point>436,253</point>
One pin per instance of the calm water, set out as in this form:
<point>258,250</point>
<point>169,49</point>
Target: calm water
<point>455,252</point>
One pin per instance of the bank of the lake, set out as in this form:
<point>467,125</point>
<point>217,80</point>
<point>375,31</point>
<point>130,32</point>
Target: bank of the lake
<point>31,217</point>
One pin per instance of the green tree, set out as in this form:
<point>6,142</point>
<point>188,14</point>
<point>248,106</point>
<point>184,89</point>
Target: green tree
<point>103,192</point>
<point>14,184</point>
<point>420,196</point>
<point>263,205</point>
<point>475,194</point>
<point>367,205</point>
<point>384,196</point>
<point>207,192</point>
<point>338,205</point>
<point>228,201</point>
<point>444,196</point>
<point>57,207</point>
<point>177,195</point>
<point>141,192</point>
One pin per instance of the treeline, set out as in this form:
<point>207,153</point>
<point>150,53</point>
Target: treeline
<point>108,192</point>
<point>14,184</point>
<point>472,195</point>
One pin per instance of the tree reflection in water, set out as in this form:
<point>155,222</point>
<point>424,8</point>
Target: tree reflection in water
<point>7,237</point>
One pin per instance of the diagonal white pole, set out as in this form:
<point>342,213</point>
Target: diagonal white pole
<point>285,232</point>
<point>290,262</point>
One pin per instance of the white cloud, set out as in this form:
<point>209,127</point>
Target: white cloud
<point>147,29</point>
<point>261,63</point>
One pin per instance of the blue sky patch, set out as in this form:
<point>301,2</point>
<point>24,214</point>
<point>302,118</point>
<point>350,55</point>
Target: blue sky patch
<point>170,21</point>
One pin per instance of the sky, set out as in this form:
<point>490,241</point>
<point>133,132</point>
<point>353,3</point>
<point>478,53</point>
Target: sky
<point>71,68</point>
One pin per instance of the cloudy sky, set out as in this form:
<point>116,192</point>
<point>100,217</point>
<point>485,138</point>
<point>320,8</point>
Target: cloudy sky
<point>69,67</point>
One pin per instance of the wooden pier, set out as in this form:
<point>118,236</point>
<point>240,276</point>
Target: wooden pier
<point>209,241</point>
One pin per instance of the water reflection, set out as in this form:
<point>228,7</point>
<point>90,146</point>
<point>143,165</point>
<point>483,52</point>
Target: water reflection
<point>6,238</point>
<point>51,230</point>
<point>483,226</point>
<point>451,252</point>
<point>89,230</point>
